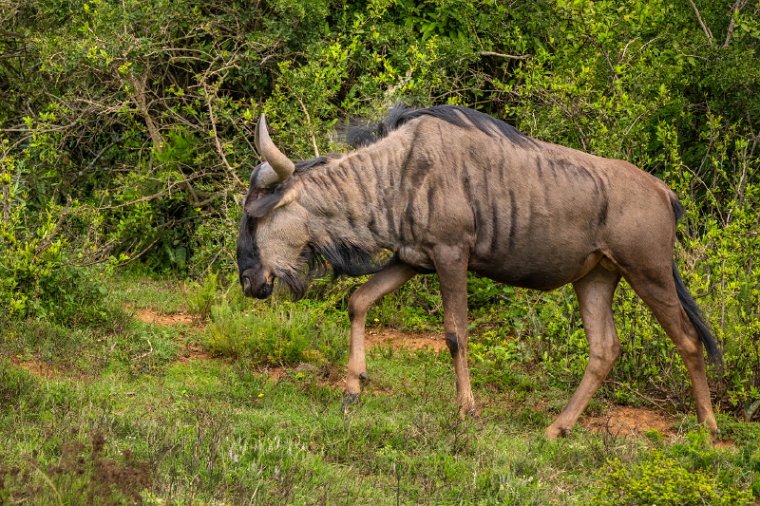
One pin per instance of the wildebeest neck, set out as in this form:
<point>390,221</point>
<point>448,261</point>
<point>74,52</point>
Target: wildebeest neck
<point>354,216</point>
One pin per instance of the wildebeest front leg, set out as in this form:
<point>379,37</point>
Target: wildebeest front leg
<point>594,291</point>
<point>382,283</point>
<point>451,265</point>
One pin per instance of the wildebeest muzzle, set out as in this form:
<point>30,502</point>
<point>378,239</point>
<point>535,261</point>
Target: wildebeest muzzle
<point>255,284</point>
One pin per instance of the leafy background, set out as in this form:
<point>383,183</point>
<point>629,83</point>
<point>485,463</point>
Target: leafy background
<point>126,143</point>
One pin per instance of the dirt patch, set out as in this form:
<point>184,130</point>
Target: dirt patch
<point>127,475</point>
<point>276,373</point>
<point>37,368</point>
<point>399,340</point>
<point>627,421</point>
<point>148,315</point>
<point>725,444</point>
<point>334,378</point>
<point>190,350</point>
<point>324,376</point>
<point>193,351</point>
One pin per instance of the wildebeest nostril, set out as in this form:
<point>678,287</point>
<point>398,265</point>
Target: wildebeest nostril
<point>255,285</point>
<point>265,291</point>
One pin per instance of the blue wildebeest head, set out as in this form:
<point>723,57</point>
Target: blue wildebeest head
<point>281,239</point>
<point>273,240</point>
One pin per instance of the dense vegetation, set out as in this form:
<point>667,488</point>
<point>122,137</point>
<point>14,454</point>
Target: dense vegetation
<point>126,141</point>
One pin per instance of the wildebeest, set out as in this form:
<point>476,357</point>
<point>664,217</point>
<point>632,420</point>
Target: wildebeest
<point>450,190</point>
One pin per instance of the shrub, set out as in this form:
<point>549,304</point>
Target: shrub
<point>38,277</point>
<point>691,473</point>
<point>663,481</point>
<point>281,333</point>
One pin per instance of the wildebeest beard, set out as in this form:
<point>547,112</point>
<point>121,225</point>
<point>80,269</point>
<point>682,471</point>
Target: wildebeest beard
<point>343,258</point>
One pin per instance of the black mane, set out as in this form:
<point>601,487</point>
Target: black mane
<point>345,259</point>
<point>463,117</point>
<point>358,136</point>
<point>348,259</point>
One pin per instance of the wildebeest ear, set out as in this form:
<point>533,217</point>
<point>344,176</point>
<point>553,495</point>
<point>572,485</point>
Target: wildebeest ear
<point>258,207</point>
<point>262,205</point>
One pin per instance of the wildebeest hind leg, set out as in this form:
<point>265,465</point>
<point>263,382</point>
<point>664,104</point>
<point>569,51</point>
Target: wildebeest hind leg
<point>594,291</point>
<point>658,291</point>
<point>382,283</point>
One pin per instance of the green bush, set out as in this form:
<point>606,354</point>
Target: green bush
<point>38,275</point>
<point>663,481</point>
<point>203,295</point>
<point>691,473</point>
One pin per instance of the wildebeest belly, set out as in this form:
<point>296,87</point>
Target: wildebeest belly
<point>548,252</point>
<point>545,270</point>
<point>534,273</point>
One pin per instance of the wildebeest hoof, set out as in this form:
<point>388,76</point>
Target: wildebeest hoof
<point>364,377</point>
<point>470,411</point>
<point>553,432</point>
<point>348,399</point>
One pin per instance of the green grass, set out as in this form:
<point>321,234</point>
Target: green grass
<point>121,417</point>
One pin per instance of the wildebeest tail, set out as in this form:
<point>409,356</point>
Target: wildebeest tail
<point>690,306</point>
<point>694,314</point>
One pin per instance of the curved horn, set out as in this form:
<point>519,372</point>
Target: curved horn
<point>281,164</point>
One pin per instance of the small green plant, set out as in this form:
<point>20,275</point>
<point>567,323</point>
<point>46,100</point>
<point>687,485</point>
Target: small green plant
<point>16,384</point>
<point>416,306</point>
<point>202,295</point>
<point>277,334</point>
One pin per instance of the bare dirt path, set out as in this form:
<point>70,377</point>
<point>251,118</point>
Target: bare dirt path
<point>147,315</point>
<point>630,421</point>
<point>190,350</point>
<point>37,367</point>
<point>401,340</point>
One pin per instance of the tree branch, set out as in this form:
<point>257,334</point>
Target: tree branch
<point>308,124</point>
<point>738,6</point>
<point>217,143</point>
<point>705,29</point>
<point>508,56</point>
<point>140,86</point>
<point>47,240</point>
